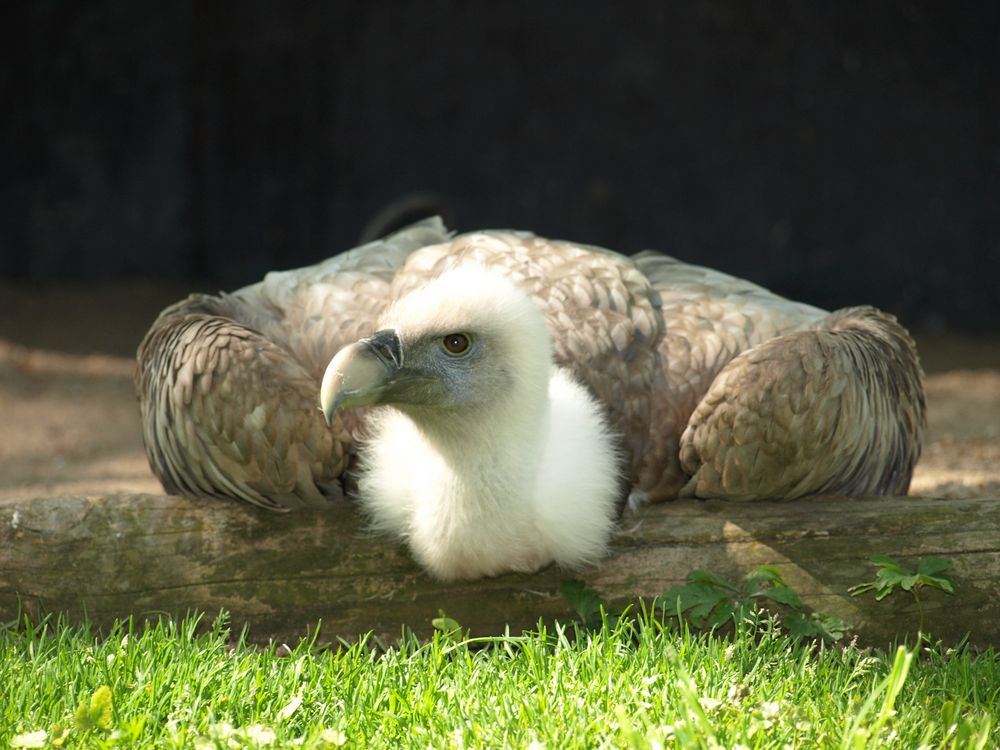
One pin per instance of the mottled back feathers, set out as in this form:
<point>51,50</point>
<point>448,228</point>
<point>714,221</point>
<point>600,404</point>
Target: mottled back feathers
<point>713,385</point>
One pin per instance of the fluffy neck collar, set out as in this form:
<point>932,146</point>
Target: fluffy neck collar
<point>492,452</point>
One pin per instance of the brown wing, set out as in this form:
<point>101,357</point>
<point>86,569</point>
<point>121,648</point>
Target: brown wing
<point>228,384</point>
<point>838,409</point>
<point>709,318</point>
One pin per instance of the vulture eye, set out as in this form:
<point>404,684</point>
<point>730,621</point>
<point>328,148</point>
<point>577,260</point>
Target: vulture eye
<point>456,344</point>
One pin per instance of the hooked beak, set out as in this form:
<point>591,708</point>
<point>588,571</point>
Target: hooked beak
<point>360,373</point>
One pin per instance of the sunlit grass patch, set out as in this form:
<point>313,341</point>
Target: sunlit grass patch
<point>634,683</point>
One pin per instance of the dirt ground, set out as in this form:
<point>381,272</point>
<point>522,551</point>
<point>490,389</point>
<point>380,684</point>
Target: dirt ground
<point>69,422</point>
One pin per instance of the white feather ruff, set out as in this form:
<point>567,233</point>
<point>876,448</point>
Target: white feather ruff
<point>528,480</point>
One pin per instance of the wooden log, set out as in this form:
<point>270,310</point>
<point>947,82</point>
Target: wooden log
<point>109,557</point>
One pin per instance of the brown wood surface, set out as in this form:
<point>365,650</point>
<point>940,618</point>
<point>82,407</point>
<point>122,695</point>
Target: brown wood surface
<point>117,555</point>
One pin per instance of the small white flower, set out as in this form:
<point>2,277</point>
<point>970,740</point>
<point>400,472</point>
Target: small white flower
<point>708,703</point>
<point>260,734</point>
<point>30,739</point>
<point>770,709</point>
<point>333,737</point>
<point>220,731</point>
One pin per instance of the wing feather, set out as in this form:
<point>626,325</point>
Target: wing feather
<point>837,409</point>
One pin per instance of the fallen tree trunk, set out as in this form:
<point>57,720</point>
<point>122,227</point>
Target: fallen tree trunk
<point>110,557</point>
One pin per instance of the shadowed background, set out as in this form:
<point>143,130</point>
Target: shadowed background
<point>837,153</point>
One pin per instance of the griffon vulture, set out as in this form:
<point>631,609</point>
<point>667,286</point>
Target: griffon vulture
<point>664,378</point>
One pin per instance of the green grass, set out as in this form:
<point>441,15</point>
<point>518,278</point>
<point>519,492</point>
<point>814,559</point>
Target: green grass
<point>625,685</point>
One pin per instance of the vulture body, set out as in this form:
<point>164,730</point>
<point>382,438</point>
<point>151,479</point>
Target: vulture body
<point>710,386</point>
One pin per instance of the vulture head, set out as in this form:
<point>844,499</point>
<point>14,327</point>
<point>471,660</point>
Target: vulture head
<point>481,454</point>
<point>461,344</point>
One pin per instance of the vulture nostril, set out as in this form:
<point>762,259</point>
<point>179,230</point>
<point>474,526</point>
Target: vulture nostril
<point>387,347</point>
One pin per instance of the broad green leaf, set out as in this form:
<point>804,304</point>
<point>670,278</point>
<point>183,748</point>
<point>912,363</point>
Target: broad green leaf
<point>762,576</point>
<point>829,629</point>
<point>783,595</point>
<point>448,627</point>
<point>703,576</point>
<point>885,561</point>
<point>697,599</point>
<point>892,576</point>
<point>582,599</point>
<point>942,583</point>
<point>933,565</point>
<point>722,612</point>
<point>862,588</point>
<point>97,713</point>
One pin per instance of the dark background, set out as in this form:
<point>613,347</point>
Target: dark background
<point>836,152</point>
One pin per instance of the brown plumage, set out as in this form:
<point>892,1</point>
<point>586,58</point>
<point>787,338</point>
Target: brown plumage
<point>715,386</point>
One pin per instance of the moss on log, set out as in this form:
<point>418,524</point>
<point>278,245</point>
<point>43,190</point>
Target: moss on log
<point>120,555</point>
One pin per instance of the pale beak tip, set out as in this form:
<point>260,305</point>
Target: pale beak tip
<point>359,373</point>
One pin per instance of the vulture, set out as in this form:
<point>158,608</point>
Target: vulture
<point>493,398</point>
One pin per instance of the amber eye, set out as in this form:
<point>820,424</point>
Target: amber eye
<point>456,343</point>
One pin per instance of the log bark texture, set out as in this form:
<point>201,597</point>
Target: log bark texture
<point>120,555</point>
